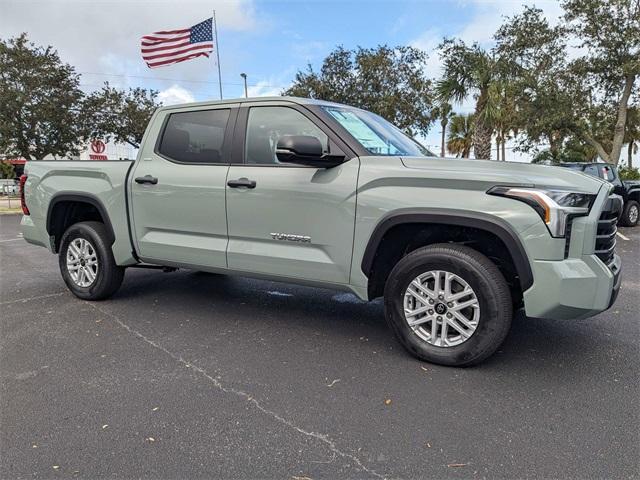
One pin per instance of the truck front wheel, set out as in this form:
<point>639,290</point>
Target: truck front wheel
<point>630,214</point>
<point>86,262</point>
<point>448,304</point>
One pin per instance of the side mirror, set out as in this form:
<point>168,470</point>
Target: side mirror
<point>305,150</point>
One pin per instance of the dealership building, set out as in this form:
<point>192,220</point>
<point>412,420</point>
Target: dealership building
<point>94,150</point>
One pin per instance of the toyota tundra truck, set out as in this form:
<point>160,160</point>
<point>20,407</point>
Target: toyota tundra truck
<point>322,194</point>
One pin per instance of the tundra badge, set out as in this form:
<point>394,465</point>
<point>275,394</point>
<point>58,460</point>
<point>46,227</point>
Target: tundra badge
<point>290,237</point>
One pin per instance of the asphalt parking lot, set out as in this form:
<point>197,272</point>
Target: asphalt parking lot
<point>191,375</point>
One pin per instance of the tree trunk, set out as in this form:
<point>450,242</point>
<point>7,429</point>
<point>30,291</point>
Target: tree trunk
<point>498,148</point>
<point>504,151</point>
<point>630,154</point>
<point>442,139</point>
<point>618,133</point>
<point>482,141</point>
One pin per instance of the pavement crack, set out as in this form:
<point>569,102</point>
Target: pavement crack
<point>39,297</point>
<point>325,439</point>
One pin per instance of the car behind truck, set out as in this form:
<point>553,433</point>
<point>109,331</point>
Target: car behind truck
<point>318,193</point>
<point>628,190</point>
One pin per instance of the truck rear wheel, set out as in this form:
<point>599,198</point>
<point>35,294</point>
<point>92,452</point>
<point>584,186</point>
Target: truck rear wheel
<point>448,304</point>
<point>86,262</point>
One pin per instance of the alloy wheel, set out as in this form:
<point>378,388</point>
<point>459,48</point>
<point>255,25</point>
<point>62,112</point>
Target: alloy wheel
<point>441,308</point>
<point>82,262</point>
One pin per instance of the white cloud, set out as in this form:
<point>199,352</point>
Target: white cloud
<point>101,39</point>
<point>175,94</point>
<point>490,15</point>
<point>309,51</point>
<point>428,42</point>
<point>264,89</point>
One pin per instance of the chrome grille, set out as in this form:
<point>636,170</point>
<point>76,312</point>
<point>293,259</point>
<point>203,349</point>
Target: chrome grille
<point>607,228</point>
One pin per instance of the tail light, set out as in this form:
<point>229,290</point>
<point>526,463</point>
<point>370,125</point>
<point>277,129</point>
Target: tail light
<point>23,204</point>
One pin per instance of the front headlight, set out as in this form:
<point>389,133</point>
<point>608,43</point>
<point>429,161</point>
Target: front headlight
<point>555,207</point>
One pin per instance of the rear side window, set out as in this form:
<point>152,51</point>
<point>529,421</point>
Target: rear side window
<point>591,170</point>
<point>607,174</point>
<point>195,137</point>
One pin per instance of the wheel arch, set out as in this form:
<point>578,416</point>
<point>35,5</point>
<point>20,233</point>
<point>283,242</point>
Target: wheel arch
<point>492,225</point>
<point>68,208</point>
<point>634,194</point>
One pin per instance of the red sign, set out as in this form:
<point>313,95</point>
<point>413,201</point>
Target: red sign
<point>98,146</point>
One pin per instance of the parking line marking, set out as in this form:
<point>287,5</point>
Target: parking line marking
<point>624,237</point>
<point>11,240</point>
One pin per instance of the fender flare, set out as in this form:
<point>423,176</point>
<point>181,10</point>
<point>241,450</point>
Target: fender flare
<point>81,197</point>
<point>481,221</point>
<point>635,190</point>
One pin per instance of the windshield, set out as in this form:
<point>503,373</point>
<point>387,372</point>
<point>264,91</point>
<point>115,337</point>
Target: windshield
<point>375,134</point>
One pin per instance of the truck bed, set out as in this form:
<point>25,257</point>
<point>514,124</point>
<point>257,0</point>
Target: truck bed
<point>53,181</point>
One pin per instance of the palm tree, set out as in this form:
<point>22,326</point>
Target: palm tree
<point>443,113</point>
<point>504,117</point>
<point>470,70</point>
<point>460,138</point>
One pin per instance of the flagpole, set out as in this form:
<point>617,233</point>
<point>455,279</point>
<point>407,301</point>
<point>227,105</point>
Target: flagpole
<point>215,32</point>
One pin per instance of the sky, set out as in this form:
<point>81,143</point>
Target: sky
<point>268,40</point>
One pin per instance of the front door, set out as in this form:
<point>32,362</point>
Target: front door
<point>286,220</point>
<point>178,189</point>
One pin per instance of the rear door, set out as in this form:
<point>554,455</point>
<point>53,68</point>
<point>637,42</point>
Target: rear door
<point>178,188</point>
<point>287,220</point>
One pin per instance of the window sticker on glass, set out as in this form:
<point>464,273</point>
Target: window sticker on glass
<point>375,134</point>
<point>360,130</point>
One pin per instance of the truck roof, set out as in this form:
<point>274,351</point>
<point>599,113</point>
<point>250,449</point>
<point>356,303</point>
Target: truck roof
<point>298,100</point>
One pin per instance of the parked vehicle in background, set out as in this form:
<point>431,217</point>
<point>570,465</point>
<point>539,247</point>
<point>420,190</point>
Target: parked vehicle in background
<point>629,190</point>
<point>318,193</point>
<point>8,186</point>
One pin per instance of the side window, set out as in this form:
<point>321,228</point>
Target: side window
<point>195,137</point>
<point>267,124</point>
<point>607,174</point>
<point>591,170</point>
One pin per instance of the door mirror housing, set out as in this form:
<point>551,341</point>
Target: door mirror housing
<point>305,150</point>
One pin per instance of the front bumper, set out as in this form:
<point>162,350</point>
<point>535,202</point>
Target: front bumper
<point>574,288</point>
<point>586,282</point>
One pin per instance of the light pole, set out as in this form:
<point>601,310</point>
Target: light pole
<point>244,76</point>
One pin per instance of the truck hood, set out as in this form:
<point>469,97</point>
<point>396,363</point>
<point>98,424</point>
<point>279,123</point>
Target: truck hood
<point>505,173</point>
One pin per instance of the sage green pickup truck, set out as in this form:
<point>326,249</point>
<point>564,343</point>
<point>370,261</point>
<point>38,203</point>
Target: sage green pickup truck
<point>322,194</point>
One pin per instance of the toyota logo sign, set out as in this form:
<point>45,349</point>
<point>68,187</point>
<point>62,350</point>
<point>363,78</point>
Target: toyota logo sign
<point>98,146</point>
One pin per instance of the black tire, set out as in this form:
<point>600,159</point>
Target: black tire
<point>109,275</point>
<point>626,220</point>
<point>480,274</point>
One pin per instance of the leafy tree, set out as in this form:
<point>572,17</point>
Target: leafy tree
<point>629,173</point>
<point>120,115</point>
<point>534,54</point>
<point>586,98</point>
<point>39,101</point>
<point>460,138</point>
<point>443,113</point>
<point>573,151</point>
<point>609,34</point>
<point>471,70</point>
<point>387,81</point>
<point>7,170</point>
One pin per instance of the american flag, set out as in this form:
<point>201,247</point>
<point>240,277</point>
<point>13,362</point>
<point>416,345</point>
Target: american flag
<point>172,46</point>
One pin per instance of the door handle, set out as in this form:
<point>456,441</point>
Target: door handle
<point>147,179</point>
<point>242,182</point>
